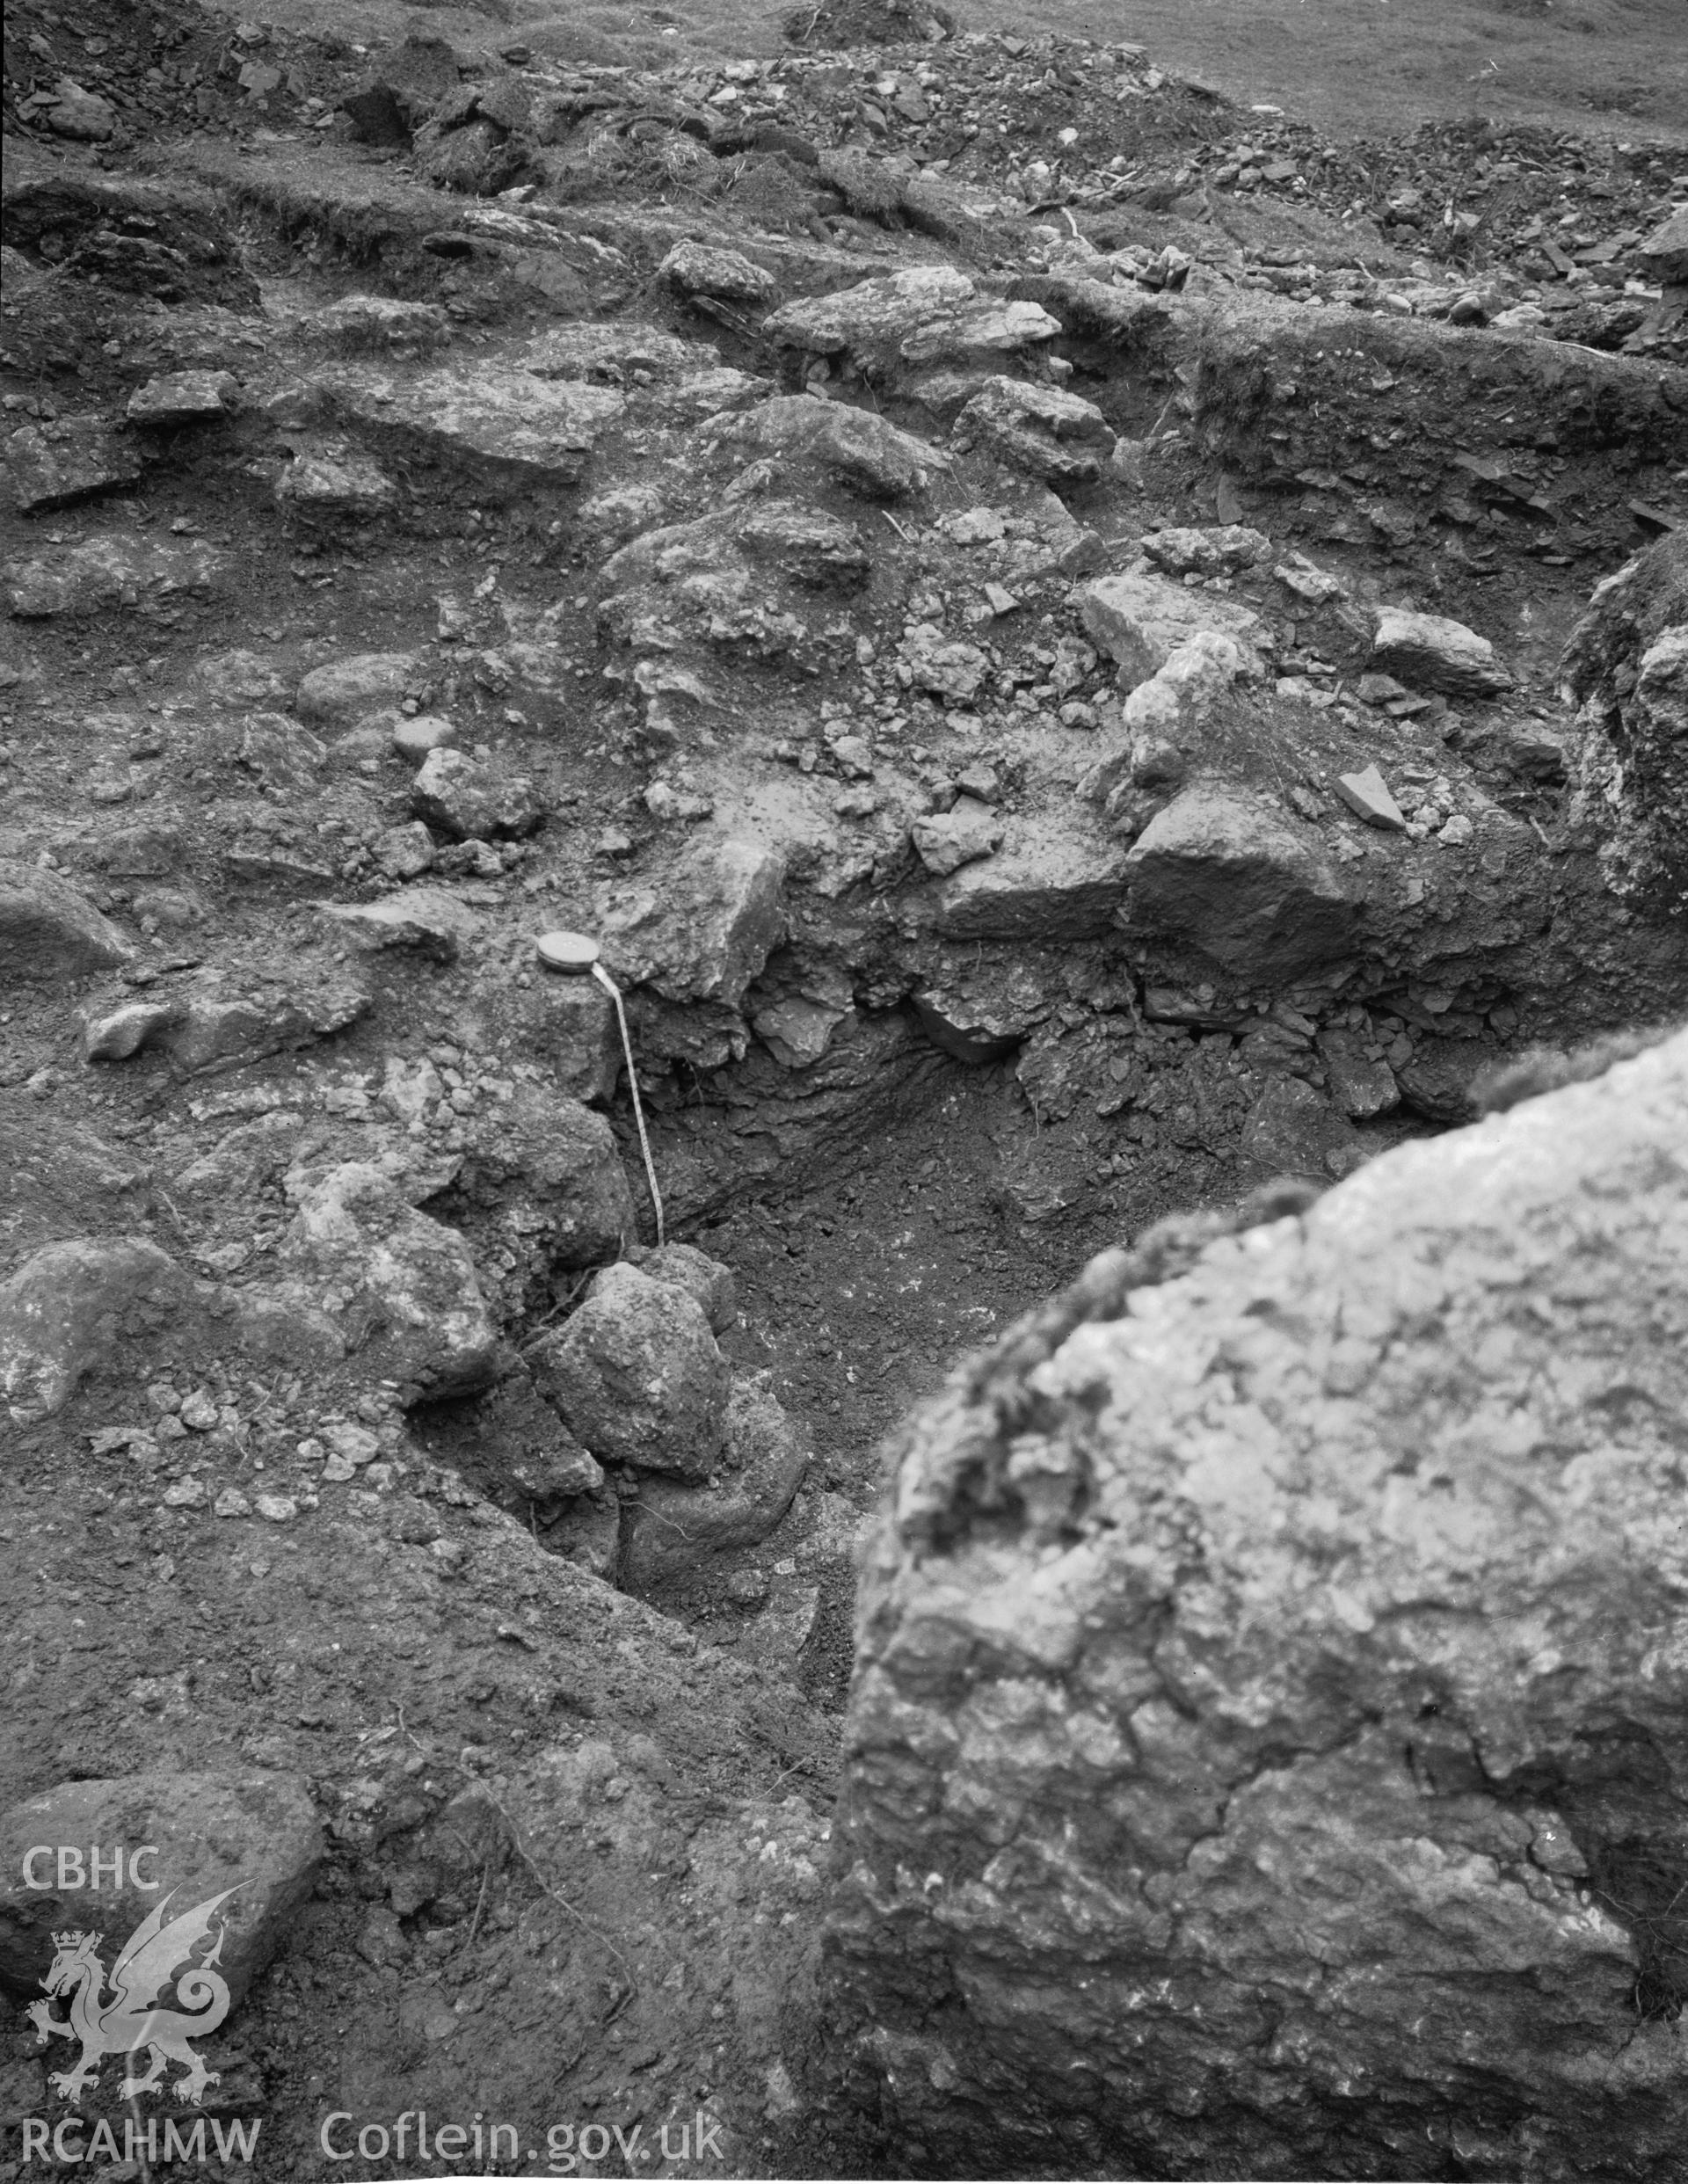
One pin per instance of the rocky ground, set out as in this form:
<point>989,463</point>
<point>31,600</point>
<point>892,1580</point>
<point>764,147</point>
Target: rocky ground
<point>1024,608</point>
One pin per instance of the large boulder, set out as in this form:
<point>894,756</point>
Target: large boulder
<point>637,1376</point>
<point>703,931</point>
<point>1627,664</point>
<point>49,929</point>
<point>252,1840</point>
<point>1435,653</point>
<point>68,1308</point>
<point>861,450</point>
<point>1226,875</point>
<point>1269,1748</point>
<point>676,1526</point>
<point>400,1288</point>
<point>1045,431</point>
<point>541,1186</point>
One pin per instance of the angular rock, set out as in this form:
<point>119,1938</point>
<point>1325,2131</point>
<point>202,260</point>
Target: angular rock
<point>809,545</point>
<point>1366,794</point>
<point>869,322</point>
<point>243,1160</point>
<point>1177,698</point>
<point>1664,253</point>
<point>856,447</point>
<point>1057,880</point>
<point>1223,873</point>
<point>529,1449</point>
<point>1218,551</point>
<point>569,1025</point>
<point>49,929</point>
<point>544,1172</point>
<point>1141,620</point>
<point>331,480</point>
<point>50,466</point>
<point>427,919</point>
<point>80,114</point>
<point>225,1016</point>
<point>1361,1084</point>
<point>344,690</point>
<point>472,799</point>
<point>401,1288</point>
<point>1044,431</point>
<point>1438,1082</point>
<point>135,575</point>
<point>1223,1730</point>
<point>481,159</point>
<point>675,1526</point>
<point>65,1309</point>
<point>1432,652</point>
<point>61,1178</point>
<point>709,269</point>
<point>637,1376</point>
<point>378,326</point>
<point>945,841</point>
<point>704,931</point>
<point>946,667</point>
<point>253,1838</point>
<point>1293,1130</point>
<point>414,735</point>
<point>116,1034</point>
<point>1627,661</point>
<point>613,353</point>
<point>57,463</point>
<point>705,1280</point>
<point>184,398</point>
<point>275,751</point>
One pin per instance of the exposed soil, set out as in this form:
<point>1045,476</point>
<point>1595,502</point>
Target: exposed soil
<point>574,1836</point>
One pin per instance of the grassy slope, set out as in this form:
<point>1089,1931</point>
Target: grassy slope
<point>1355,66</point>
<point>1372,67</point>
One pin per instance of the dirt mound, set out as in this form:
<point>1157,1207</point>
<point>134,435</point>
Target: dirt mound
<point>835,25</point>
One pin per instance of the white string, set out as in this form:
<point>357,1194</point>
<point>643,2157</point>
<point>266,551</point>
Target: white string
<point>615,992</point>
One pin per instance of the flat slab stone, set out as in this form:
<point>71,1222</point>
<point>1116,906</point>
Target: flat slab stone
<point>253,1840</point>
<point>428,920</point>
<point>509,425</point>
<point>50,466</point>
<point>1056,880</point>
<point>703,269</point>
<point>1434,653</point>
<point>133,575</point>
<point>1140,621</point>
<point>184,398</point>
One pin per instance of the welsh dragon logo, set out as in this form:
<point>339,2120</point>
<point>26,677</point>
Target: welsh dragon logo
<point>132,2021</point>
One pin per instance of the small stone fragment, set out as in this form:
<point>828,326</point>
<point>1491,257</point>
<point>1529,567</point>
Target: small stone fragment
<point>1367,796</point>
<point>945,841</point>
